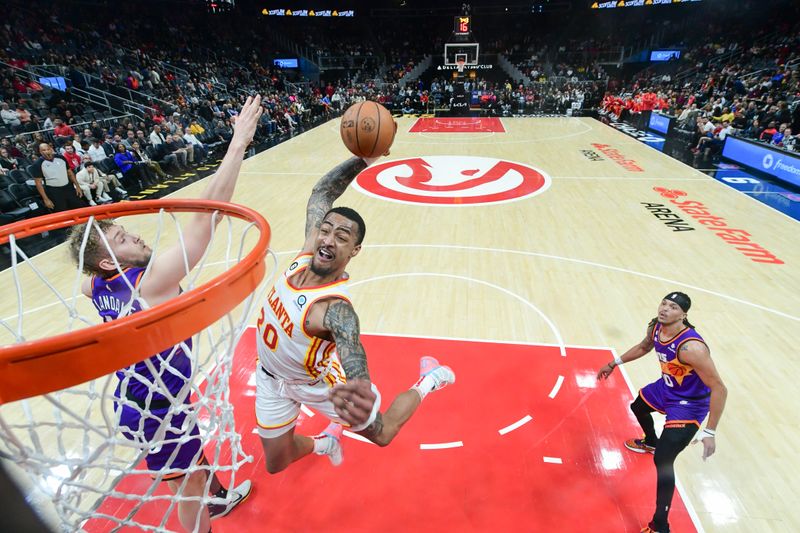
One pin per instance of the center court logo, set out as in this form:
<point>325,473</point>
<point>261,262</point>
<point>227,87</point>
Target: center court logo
<point>452,180</point>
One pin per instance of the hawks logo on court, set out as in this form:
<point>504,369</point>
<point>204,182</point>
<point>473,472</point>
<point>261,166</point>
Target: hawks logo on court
<point>452,180</point>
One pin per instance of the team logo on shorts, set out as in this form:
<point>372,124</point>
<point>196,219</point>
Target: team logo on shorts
<point>452,180</point>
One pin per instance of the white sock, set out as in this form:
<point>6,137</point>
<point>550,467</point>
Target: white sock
<point>424,386</point>
<point>321,444</point>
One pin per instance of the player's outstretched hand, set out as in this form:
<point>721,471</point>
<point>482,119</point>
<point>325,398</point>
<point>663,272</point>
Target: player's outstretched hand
<point>245,123</point>
<point>604,372</point>
<point>709,446</point>
<point>371,160</point>
<point>353,401</point>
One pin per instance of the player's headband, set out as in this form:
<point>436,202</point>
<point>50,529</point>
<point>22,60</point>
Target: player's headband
<point>683,300</point>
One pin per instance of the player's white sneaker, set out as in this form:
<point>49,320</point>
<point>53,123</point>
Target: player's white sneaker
<point>235,497</point>
<point>441,375</point>
<point>333,448</point>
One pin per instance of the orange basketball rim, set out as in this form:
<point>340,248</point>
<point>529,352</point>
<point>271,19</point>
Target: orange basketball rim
<point>32,368</point>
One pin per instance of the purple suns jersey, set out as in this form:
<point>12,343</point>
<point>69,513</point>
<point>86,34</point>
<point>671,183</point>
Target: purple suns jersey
<point>112,296</point>
<point>681,381</point>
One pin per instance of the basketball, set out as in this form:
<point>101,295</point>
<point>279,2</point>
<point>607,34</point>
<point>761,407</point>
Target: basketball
<point>368,129</point>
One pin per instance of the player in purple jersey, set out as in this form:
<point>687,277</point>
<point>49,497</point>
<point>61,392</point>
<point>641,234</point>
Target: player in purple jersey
<point>150,388</point>
<point>689,389</point>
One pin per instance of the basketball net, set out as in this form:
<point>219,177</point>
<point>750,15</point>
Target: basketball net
<point>460,66</point>
<point>68,447</point>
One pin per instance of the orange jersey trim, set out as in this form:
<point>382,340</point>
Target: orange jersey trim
<point>177,475</point>
<point>680,423</point>
<point>293,287</point>
<point>654,408</point>
<point>311,357</point>
<point>311,304</point>
<point>138,279</point>
<point>657,336</point>
<point>118,274</point>
<point>262,426</point>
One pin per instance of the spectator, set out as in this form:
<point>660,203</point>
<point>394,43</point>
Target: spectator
<point>62,132</point>
<point>163,156</point>
<point>55,182</point>
<point>207,111</point>
<point>111,181</point>
<point>705,132</point>
<point>768,133</point>
<point>223,131</point>
<point>181,153</point>
<point>89,180</point>
<point>194,142</point>
<point>777,138</point>
<point>129,140</point>
<point>95,151</point>
<point>141,139</point>
<point>195,128</point>
<point>108,146</point>
<point>178,139</point>
<point>72,159</point>
<point>132,171</point>
<point>9,116</point>
<point>23,114</point>
<point>97,131</point>
<point>156,137</point>
<point>141,155</point>
<point>14,149</point>
<point>790,142</point>
<point>75,143</point>
<point>7,161</point>
<point>32,145</point>
<point>170,125</point>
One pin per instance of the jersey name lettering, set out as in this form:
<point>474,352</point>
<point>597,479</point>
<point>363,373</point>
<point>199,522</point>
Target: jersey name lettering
<point>277,307</point>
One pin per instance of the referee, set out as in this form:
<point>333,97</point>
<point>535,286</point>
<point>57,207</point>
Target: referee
<point>55,182</point>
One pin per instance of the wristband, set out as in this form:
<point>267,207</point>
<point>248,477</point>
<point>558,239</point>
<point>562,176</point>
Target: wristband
<point>708,433</point>
<point>618,361</point>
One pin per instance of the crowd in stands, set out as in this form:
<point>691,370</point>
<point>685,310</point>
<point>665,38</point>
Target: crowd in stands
<point>754,94</point>
<point>731,81</point>
<point>184,94</point>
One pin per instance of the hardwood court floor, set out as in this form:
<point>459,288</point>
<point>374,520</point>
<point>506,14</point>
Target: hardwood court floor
<point>584,261</point>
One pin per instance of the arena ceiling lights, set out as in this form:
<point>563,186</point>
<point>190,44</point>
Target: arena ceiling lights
<point>613,4</point>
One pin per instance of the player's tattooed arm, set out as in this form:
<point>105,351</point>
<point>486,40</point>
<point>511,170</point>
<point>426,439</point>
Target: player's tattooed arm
<point>342,321</point>
<point>373,430</point>
<point>330,187</point>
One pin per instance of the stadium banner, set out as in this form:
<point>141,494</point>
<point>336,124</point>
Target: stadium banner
<point>770,160</point>
<point>615,4</point>
<point>308,13</point>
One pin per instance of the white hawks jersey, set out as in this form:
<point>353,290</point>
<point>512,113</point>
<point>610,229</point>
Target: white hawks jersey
<point>285,350</point>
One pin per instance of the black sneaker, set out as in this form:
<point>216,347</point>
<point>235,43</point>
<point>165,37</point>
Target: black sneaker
<point>235,497</point>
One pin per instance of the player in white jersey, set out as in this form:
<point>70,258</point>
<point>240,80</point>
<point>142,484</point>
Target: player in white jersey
<point>308,341</point>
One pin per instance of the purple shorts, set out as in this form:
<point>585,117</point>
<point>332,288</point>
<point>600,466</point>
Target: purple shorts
<point>680,411</point>
<point>186,452</point>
